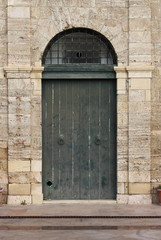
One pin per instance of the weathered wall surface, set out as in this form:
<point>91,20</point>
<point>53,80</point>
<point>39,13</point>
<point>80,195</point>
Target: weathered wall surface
<point>133,27</point>
<point>156,97</point>
<point>3,99</point>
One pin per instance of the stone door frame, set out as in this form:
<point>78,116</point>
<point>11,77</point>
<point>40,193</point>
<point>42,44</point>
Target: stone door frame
<point>133,134</point>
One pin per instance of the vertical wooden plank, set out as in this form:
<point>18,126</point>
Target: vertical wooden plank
<point>66,132</point>
<point>47,137</point>
<point>113,139</point>
<point>105,139</point>
<point>55,161</point>
<point>76,173</point>
<point>84,140</point>
<point>94,133</point>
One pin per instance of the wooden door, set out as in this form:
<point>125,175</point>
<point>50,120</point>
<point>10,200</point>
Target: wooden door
<point>79,139</point>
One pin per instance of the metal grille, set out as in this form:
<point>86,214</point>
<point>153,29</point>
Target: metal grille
<point>79,46</point>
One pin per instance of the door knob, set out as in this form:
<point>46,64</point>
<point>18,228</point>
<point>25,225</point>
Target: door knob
<point>97,140</point>
<point>61,140</point>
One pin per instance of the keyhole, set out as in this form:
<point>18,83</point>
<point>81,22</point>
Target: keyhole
<point>79,54</point>
<point>49,183</point>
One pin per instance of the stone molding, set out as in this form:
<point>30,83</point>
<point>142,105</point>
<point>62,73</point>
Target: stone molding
<point>143,68</point>
<point>28,69</point>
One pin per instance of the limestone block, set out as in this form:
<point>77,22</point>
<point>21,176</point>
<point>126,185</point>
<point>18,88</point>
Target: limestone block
<point>18,75</point>
<point>19,189</point>
<point>122,119</point>
<point>2,13</point>
<point>139,3</point>
<point>18,59</point>
<point>19,36</point>
<point>143,59</point>
<point>122,165</point>
<point>120,48</point>
<point>3,166</point>
<point>36,166</point>
<point>19,2</point>
<point>120,3</point>
<point>96,18</point>
<point>140,107</point>
<point>139,120</point>
<point>41,12</point>
<point>18,12</point>
<point>122,188</point>
<point>3,177</point>
<point>43,2</point>
<point>36,156</point>
<point>121,73</point>
<point>36,142</point>
<point>3,153</point>
<point>17,200</point>
<point>102,3</point>
<point>37,199</point>
<point>140,24</point>
<point>5,188</point>
<point>36,177</point>
<point>140,141</point>
<point>37,85</point>
<point>148,95</point>
<point>3,3</point>
<point>139,199</point>
<point>135,151</point>
<point>121,84</point>
<point>19,177</point>
<point>140,48</point>
<point>140,12</point>
<point>138,164</point>
<point>140,83</point>
<point>140,36</point>
<point>19,142</point>
<point>2,26</point>
<point>79,16</point>
<point>15,154</point>
<point>122,98</point>
<point>85,4</point>
<point>19,48</point>
<point>139,176</point>
<point>122,199</point>
<point>122,176</point>
<point>19,166</point>
<point>3,143</point>
<point>23,84</point>
<point>3,130</point>
<point>69,3</point>
<point>122,107</point>
<point>36,189</point>
<point>139,188</point>
<point>137,95</point>
<point>140,71</point>
<point>18,25</point>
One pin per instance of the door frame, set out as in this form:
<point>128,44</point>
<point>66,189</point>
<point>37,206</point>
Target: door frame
<point>80,71</point>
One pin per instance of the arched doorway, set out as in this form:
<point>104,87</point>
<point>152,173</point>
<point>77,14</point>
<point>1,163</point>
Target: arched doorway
<point>79,117</point>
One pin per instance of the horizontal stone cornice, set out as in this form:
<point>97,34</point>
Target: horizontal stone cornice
<point>16,69</point>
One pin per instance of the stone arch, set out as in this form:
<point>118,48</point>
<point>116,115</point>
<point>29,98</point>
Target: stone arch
<point>103,42</point>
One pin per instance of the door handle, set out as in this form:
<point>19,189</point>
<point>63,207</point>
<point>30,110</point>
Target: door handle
<point>97,140</point>
<point>61,140</point>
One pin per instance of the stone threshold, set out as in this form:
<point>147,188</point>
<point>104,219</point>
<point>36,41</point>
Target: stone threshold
<point>79,201</point>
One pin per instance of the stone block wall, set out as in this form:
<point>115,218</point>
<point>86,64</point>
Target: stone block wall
<point>133,27</point>
<point>156,98</point>
<point>3,102</point>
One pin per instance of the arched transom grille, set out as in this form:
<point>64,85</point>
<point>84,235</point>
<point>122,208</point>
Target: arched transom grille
<point>79,46</point>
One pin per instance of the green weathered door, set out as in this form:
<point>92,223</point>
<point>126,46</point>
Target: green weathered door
<point>79,139</point>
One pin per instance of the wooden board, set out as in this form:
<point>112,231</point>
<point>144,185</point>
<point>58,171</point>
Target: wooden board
<point>79,139</point>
